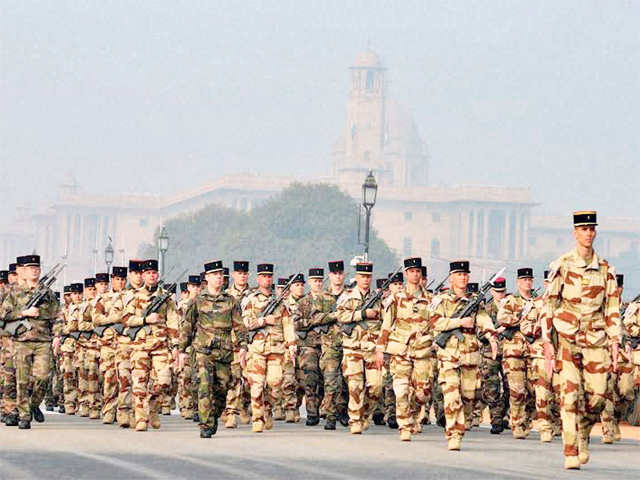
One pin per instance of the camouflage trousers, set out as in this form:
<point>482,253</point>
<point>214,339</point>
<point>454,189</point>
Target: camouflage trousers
<point>54,396</point>
<point>87,366</point>
<point>109,372</point>
<point>239,394</point>
<point>515,369</point>
<point>125,414</point>
<point>387,403</point>
<point>583,373</point>
<point>620,396</point>
<point>70,382</point>
<point>265,373</point>
<point>9,393</point>
<point>292,391</point>
<point>364,382</point>
<point>330,359</point>
<point>185,389</point>
<point>437,397</point>
<point>214,378</point>
<point>309,377</point>
<point>547,413</point>
<point>169,398</point>
<point>150,381</point>
<point>32,372</point>
<point>412,384</point>
<point>495,389</point>
<point>459,385</point>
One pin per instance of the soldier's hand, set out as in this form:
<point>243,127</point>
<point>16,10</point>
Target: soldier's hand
<point>467,322</point>
<point>270,320</point>
<point>31,312</point>
<point>242,355</point>
<point>615,350</point>
<point>182,359</point>
<point>379,360</point>
<point>56,345</point>
<point>371,313</point>
<point>627,348</point>
<point>153,318</point>
<point>549,358</point>
<point>100,308</point>
<point>494,348</point>
<point>292,353</point>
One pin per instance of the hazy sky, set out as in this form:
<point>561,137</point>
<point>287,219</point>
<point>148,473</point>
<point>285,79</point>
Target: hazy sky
<point>159,96</point>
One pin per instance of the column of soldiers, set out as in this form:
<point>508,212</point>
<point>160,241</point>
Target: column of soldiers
<point>119,348</point>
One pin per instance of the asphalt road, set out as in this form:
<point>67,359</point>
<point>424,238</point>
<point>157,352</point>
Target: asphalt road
<point>70,447</point>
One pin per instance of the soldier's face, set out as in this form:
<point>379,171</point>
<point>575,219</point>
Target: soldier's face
<point>459,280</point>
<point>31,273</point>
<point>76,297</point>
<point>215,279</point>
<point>90,292</point>
<point>279,290</point>
<point>193,289</point>
<point>395,287</point>
<point>315,284</point>
<point>150,277</point>
<point>413,275</point>
<point>184,295</point>
<point>297,289</point>
<point>135,278</point>
<point>13,278</point>
<point>265,280</point>
<point>585,236</point>
<point>118,283</point>
<point>67,298</point>
<point>336,278</point>
<point>240,278</point>
<point>102,287</point>
<point>525,284</point>
<point>498,295</point>
<point>363,281</point>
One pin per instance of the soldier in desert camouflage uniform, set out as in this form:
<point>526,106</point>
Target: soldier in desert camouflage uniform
<point>459,360</point>
<point>87,352</point>
<point>209,322</point>
<point>8,373</point>
<point>273,337</point>
<point>582,307</point>
<point>292,389</point>
<point>631,322</point>
<point>184,370</point>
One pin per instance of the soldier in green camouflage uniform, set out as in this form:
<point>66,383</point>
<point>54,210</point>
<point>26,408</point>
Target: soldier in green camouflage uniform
<point>210,319</point>
<point>4,352</point>
<point>32,347</point>
<point>9,408</point>
<point>185,370</point>
<point>292,388</point>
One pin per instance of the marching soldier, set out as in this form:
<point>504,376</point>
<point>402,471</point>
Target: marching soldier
<point>459,357</point>
<point>105,318</point>
<point>292,388</point>
<point>238,395</point>
<point>187,401</point>
<point>210,319</point>
<point>512,311</point>
<point>32,342</point>
<point>582,307</point>
<point>153,337</point>
<point>364,380</point>
<point>407,338</point>
<point>66,343</point>
<point>87,352</point>
<point>273,337</point>
<point>6,362</point>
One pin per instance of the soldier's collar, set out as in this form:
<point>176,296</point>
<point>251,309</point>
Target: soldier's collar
<point>593,265</point>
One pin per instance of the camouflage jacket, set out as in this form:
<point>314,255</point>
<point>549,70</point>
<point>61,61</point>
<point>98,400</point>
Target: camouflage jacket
<point>238,295</point>
<point>514,311</point>
<point>16,301</point>
<point>406,330</point>
<point>491,307</point>
<point>349,311</point>
<point>531,326</point>
<point>4,291</point>
<point>467,351</point>
<point>158,335</point>
<point>315,309</point>
<point>631,323</point>
<point>582,303</point>
<point>272,338</point>
<point>208,324</point>
<point>105,312</point>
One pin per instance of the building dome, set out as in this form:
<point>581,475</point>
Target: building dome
<point>367,59</point>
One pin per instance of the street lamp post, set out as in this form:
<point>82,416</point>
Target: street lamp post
<point>108,255</point>
<point>369,194</point>
<point>163,246</point>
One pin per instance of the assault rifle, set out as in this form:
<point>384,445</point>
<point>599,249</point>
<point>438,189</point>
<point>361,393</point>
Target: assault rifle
<point>154,305</point>
<point>624,309</point>
<point>271,307</point>
<point>369,302</point>
<point>440,285</point>
<point>468,309</point>
<point>509,332</point>
<point>41,291</point>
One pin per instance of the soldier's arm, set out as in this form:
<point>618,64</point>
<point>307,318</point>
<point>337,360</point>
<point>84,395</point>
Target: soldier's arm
<point>116,311</point>
<point>388,317</point>
<point>99,313</point>
<point>484,324</point>
<point>242,336</point>
<point>508,312</point>
<point>612,309</point>
<point>348,311</point>
<point>130,317</point>
<point>551,299</point>
<point>188,325</point>
<point>9,310</point>
<point>632,320</point>
<point>440,321</point>
<point>249,315</point>
<point>173,320</point>
<point>288,329</point>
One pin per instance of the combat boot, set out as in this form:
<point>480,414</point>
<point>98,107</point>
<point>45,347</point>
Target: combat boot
<point>572,463</point>
<point>49,408</point>
<point>83,411</point>
<point>296,415</point>
<point>3,418</point>
<point>166,410</point>
<point>392,422</point>
<point>109,418</point>
<point>231,421</point>
<point>11,420</point>
<point>141,426</point>
<point>61,409</point>
<point>617,435</point>
<point>356,428</point>
<point>330,425</point>
<point>24,425</point>
<point>365,425</point>
<point>496,429</point>
<point>205,432</point>
<point>257,426</point>
<point>290,416</point>
<point>583,449</point>
<point>278,413</point>
<point>343,418</point>
<point>245,418</point>
<point>155,420</point>
<point>312,421</point>
<point>519,434</point>
<point>607,438</point>
<point>442,421</point>
<point>37,414</point>
<point>268,422</point>
<point>405,435</point>
<point>378,418</point>
<point>196,417</point>
<point>454,443</point>
<point>546,436</point>
<point>94,414</point>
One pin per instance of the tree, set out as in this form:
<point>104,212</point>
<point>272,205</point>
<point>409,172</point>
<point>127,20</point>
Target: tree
<point>304,226</point>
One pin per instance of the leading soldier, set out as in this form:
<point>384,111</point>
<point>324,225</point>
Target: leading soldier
<point>582,313</point>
